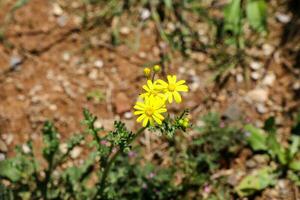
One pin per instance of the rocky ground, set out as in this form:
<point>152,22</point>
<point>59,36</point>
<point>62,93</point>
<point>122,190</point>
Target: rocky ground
<point>50,68</point>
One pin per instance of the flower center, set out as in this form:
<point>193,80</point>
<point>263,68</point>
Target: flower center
<point>153,92</point>
<point>171,87</point>
<point>149,111</point>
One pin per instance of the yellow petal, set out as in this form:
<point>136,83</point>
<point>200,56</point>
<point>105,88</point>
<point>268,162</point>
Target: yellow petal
<point>137,107</point>
<point>162,110</point>
<point>146,88</point>
<point>145,122</point>
<point>174,79</point>
<point>163,83</point>
<point>182,88</point>
<point>138,112</point>
<point>169,77</point>
<point>177,97</point>
<point>180,82</point>
<point>159,116</point>
<point>150,85</point>
<point>140,118</point>
<point>140,104</point>
<point>157,120</point>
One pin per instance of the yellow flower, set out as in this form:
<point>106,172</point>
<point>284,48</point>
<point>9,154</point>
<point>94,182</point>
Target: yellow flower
<point>172,88</point>
<point>153,90</point>
<point>147,72</point>
<point>150,111</point>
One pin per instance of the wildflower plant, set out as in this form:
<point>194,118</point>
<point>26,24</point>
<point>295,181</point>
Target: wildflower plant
<point>26,178</point>
<point>152,104</point>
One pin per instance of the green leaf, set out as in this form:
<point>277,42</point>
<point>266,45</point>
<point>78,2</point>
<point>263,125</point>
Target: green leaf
<point>295,139</point>
<point>169,4</point>
<point>233,17</point>
<point>9,171</point>
<point>256,11</point>
<point>295,165</point>
<point>257,138</point>
<point>256,181</point>
<point>276,150</point>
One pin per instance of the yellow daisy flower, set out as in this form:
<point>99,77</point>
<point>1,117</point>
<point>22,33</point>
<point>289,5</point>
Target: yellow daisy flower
<point>172,88</point>
<point>153,90</point>
<point>150,111</point>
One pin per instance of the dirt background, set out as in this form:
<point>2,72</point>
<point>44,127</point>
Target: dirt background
<point>49,65</point>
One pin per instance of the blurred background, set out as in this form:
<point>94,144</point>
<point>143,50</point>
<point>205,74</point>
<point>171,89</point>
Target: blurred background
<point>241,59</point>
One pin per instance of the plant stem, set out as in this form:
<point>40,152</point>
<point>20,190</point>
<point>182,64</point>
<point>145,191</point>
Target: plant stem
<point>110,162</point>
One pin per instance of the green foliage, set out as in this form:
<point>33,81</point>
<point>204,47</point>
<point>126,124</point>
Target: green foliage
<point>256,181</point>
<point>233,17</point>
<point>256,11</point>
<point>287,158</point>
<point>170,125</point>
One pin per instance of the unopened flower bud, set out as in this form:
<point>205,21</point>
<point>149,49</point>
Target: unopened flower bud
<point>156,68</point>
<point>147,72</point>
<point>185,122</point>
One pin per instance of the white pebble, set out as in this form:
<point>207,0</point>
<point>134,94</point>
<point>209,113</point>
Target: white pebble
<point>99,63</point>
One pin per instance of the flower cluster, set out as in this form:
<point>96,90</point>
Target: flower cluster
<point>157,93</point>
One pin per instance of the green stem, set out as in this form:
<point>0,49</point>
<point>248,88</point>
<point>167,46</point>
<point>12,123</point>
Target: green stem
<point>110,162</point>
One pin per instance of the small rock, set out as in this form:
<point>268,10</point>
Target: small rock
<point>122,103</point>
<point>128,115</point>
<point>255,75</point>
<point>269,79</point>
<point>258,95</point>
<point>251,163</point>
<point>62,20</point>
<point>2,156</point>
<point>57,10</point>
<point>76,152</point>
<point>296,85</point>
<point>15,62</point>
<point>142,55</point>
<point>124,30</point>
<point>261,108</point>
<point>255,65</point>
<point>239,78</point>
<point>26,148</point>
<point>98,63</point>
<point>93,75</point>
<point>283,18</point>
<point>268,49</point>
<point>8,138</point>
<point>66,56</point>
<point>3,146</point>
<point>261,159</point>
<point>181,70</point>
<point>63,147</point>
<point>145,14</point>
<point>98,124</point>
<point>53,107</point>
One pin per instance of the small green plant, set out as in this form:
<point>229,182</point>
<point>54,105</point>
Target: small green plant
<point>287,159</point>
<point>95,95</point>
<point>237,15</point>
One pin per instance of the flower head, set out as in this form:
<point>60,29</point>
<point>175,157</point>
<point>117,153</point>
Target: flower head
<point>150,111</point>
<point>147,72</point>
<point>172,88</point>
<point>156,68</point>
<point>153,90</point>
